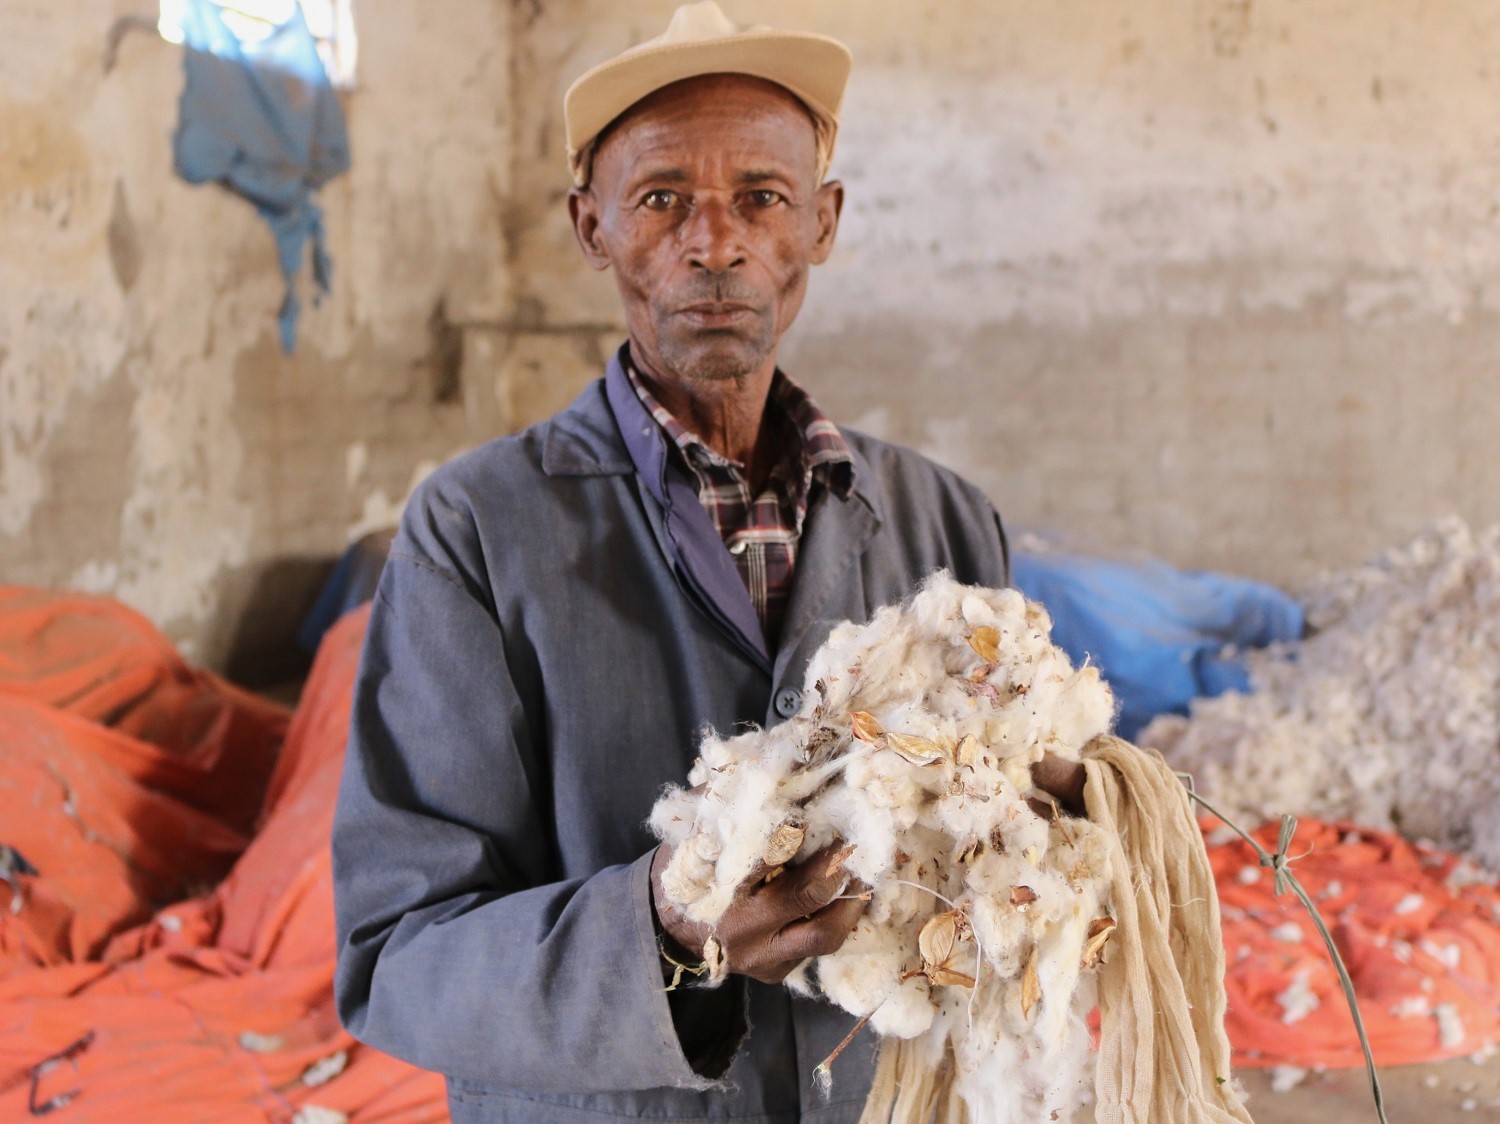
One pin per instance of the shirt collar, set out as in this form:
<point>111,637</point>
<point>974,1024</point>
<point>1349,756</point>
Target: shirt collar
<point>820,450</point>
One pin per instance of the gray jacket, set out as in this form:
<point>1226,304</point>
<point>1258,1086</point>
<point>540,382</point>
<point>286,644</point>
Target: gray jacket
<point>553,630</point>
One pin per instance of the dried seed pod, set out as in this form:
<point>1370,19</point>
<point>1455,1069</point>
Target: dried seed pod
<point>919,751</point>
<point>718,964</point>
<point>968,750</point>
<point>1021,897</point>
<point>864,726</point>
<point>1100,930</point>
<point>784,844</point>
<point>986,643</point>
<point>937,943</point>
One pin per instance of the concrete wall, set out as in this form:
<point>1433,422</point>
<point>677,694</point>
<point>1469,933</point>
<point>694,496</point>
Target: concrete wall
<point>1215,278</point>
<point>154,441</point>
<point>1219,279</point>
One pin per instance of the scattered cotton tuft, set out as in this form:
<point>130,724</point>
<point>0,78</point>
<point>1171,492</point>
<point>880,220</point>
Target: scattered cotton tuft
<point>1285,1078</point>
<point>1388,714</point>
<point>915,744</point>
<point>1298,1000</point>
<point>1451,1031</point>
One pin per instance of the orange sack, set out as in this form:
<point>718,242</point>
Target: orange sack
<point>174,955</point>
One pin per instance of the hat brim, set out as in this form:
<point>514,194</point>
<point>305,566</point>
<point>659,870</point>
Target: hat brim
<point>814,68</point>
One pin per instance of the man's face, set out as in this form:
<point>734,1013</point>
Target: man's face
<point>704,199</point>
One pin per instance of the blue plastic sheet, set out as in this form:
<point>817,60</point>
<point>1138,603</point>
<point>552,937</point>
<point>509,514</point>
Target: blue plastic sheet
<point>260,117</point>
<point>1160,636</point>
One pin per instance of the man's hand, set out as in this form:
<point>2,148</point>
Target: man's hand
<point>771,927</point>
<point>1063,780</point>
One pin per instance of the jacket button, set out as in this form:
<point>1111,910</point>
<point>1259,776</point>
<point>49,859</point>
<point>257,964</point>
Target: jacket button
<point>788,701</point>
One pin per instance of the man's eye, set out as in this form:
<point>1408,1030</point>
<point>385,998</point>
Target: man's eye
<point>660,200</point>
<point>765,198</point>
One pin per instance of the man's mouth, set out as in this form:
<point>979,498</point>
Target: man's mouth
<point>714,314</point>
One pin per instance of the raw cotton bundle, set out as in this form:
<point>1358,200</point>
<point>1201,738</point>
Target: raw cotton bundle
<point>1388,714</point>
<point>978,955</point>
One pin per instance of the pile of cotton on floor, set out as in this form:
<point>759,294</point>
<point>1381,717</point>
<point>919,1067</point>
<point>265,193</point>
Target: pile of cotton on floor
<point>914,745</point>
<point>1388,714</point>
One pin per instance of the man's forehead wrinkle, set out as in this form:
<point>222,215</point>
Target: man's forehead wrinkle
<point>763,175</point>
<point>671,162</point>
<point>729,110</point>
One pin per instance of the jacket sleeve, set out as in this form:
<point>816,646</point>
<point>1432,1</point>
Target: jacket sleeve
<point>458,950</point>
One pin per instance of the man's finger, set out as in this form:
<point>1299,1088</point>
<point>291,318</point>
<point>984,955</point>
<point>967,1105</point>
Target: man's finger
<point>1063,780</point>
<point>821,934</point>
<point>805,889</point>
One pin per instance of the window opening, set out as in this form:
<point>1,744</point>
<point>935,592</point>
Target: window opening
<point>330,21</point>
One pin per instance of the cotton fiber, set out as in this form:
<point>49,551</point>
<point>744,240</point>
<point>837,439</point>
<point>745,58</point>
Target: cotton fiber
<point>1388,714</point>
<point>976,959</point>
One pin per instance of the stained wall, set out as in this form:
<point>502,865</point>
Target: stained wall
<point>154,441</point>
<point>1217,279</point>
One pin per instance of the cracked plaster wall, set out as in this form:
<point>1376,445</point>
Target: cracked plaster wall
<point>1216,278</point>
<point>154,442</point>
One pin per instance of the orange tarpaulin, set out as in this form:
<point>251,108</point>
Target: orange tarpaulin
<point>176,949</point>
<point>212,1008</point>
<point>1418,929</point>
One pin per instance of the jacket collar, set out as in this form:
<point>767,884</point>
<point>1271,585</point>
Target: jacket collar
<point>606,431</point>
<point>585,439</point>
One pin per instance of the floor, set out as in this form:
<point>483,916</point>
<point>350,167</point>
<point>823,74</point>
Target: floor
<point>1461,1092</point>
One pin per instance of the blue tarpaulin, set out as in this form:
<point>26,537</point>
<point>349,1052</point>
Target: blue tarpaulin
<point>1160,636</point>
<point>259,116</point>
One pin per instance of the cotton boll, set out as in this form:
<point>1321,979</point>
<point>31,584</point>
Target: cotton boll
<point>1017,766</point>
<point>1088,710</point>
<point>799,980</point>
<point>907,1013</point>
<point>865,971</point>
<point>690,873</point>
<point>1060,949</point>
<point>914,745</point>
<point>1003,932</point>
<point>672,817</point>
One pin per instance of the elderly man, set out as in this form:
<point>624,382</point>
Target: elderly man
<point>565,610</point>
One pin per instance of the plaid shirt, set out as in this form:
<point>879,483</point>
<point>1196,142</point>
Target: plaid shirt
<point>762,532</point>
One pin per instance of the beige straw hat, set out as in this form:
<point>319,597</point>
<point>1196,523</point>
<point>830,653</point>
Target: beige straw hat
<point>702,40</point>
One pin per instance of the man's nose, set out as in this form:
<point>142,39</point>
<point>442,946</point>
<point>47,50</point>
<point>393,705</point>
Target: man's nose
<point>714,237</point>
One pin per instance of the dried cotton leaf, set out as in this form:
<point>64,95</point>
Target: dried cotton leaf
<point>865,728</point>
<point>919,751</point>
<point>1031,989</point>
<point>1021,897</point>
<point>968,750</point>
<point>784,844</point>
<point>986,643</point>
<point>1100,930</point>
<point>948,977</point>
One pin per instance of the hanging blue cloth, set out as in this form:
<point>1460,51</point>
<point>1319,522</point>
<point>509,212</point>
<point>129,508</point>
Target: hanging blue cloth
<point>1160,636</point>
<point>260,117</point>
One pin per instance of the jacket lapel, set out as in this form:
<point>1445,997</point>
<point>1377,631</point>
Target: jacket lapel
<point>835,535</point>
<point>693,547</point>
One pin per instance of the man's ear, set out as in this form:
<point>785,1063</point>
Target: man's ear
<point>583,208</point>
<point>828,205</point>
